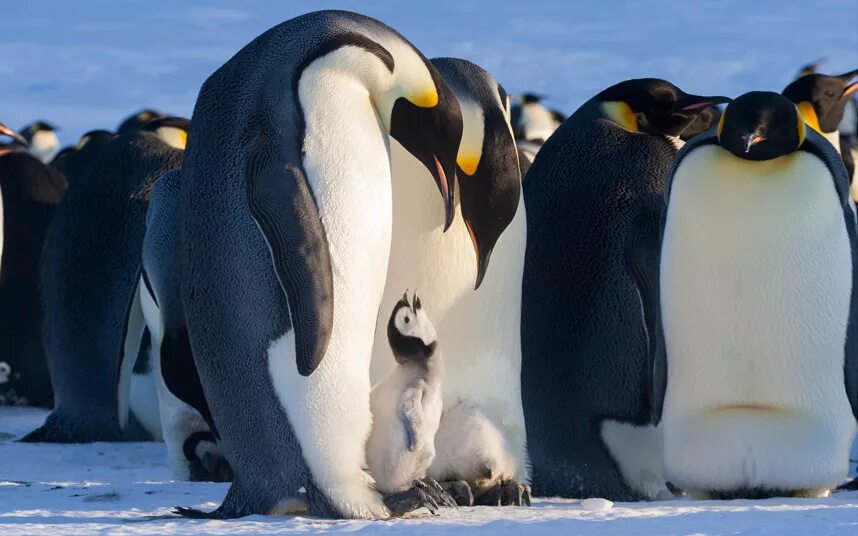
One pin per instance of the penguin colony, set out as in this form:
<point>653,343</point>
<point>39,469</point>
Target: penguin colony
<point>666,304</point>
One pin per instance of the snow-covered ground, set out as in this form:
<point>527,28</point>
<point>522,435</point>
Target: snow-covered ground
<point>108,488</point>
<point>87,64</point>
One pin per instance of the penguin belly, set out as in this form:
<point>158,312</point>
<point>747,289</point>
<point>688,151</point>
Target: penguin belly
<point>756,275</point>
<point>479,330</point>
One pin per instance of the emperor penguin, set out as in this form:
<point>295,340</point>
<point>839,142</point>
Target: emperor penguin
<point>406,407</point>
<point>93,324</point>
<point>583,335</point>
<point>531,121</point>
<point>752,288</point>
<point>286,220</point>
<point>42,140</point>
<point>29,194</point>
<point>137,121</point>
<point>475,308</point>
<point>821,100</point>
<point>74,159</point>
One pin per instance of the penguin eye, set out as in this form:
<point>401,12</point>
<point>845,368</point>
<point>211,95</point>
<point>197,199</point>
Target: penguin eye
<point>829,94</point>
<point>407,320</point>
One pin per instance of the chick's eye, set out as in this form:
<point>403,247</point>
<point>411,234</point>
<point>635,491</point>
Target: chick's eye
<point>407,320</point>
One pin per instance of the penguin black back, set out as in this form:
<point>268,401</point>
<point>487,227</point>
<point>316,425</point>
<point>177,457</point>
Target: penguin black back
<point>31,192</point>
<point>90,270</point>
<point>583,338</point>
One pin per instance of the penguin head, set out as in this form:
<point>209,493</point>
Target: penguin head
<point>426,120</point>
<point>410,332</point>
<point>487,167</point>
<point>761,125</point>
<point>171,130</point>
<point>653,106</point>
<point>16,138</point>
<point>821,99</point>
<point>36,127</point>
<point>136,121</point>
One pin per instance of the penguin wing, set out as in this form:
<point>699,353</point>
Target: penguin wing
<point>411,413</point>
<point>817,145</point>
<point>284,208</point>
<point>643,244</point>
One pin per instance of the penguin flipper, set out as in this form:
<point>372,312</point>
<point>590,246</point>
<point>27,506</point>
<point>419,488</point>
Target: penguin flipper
<point>642,262</point>
<point>284,208</point>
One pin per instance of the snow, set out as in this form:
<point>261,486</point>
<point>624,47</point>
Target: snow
<point>86,65</point>
<point>126,488</point>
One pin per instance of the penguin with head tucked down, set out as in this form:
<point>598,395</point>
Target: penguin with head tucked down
<point>29,194</point>
<point>584,385</point>
<point>93,325</point>
<point>745,375</point>
<point>473,273</point>
<point>821,100</point>
<point>285,229</point>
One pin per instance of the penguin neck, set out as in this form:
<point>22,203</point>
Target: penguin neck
<point>833,137</point>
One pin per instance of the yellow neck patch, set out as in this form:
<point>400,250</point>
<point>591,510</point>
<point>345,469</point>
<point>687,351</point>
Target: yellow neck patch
<point>427,99</point>
<point>468,163</point>
<point>721,124</point>
<point>802,132</point>
<point>620,113</point>
<point>805,109</point>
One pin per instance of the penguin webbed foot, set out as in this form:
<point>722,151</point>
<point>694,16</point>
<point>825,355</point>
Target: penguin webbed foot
<point>422,494</point>
<point>460,491</point>
<point>503,493</point>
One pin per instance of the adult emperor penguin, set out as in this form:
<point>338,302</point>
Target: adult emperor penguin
<point>93,324</point>
<point>286,210</point>
<point>757,388</point>
<point>583,337</point>
<point>822,99</point>
<point>29,194</point>
<point>475,309</point>
<point>42,140</point>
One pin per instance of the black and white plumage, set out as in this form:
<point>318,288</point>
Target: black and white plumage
<point>750,287</point>
<point>584,373</point>
<point>42,140</point>
<point>285,204</point>
<point>406,404</point>
<point>93,326</point>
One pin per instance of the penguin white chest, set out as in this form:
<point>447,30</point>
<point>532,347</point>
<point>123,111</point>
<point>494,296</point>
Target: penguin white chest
<point>756,278</point>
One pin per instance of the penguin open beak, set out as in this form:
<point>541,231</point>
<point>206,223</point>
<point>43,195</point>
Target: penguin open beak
<point>751,140</point>
<point>12,134</point>
<point>850,89</point>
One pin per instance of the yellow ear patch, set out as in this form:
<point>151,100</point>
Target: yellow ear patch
<point>806,110</point>
<point>81,142</point>
<point>427,99</point>
<point>620,113</point>
<point>468,163</point>
<point>802,132</point>
<point>184,137</point>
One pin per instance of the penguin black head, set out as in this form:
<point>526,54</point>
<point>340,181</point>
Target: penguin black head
<point>37,126</point>
<point>136,121</point>
<point>172,130</point>
<point>487,167</point>
<point>821,99</point>
<point>410,332</point>
<point>761,125</point>
<point>653,106</point>
<point>6,131</point>
<point>530,98</point>
<point>429,126</point>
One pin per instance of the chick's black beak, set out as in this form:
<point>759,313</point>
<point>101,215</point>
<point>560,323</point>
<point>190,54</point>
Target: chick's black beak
<point>751,140</point>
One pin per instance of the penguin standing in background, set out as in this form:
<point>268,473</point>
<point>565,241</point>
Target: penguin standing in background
<point>42,140</point>
<point>756,388</point>
<point>29,194</point>
<point>473,273</point>
<point>137,121</point>
<point>286,215</point>
<point>93,324</point>
<point>72,161</point>
<point>821,100</point>
<point>531,121</point>
<point>584,344</point>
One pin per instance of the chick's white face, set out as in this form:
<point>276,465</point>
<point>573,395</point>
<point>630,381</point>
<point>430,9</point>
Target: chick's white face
<point>415,323</point>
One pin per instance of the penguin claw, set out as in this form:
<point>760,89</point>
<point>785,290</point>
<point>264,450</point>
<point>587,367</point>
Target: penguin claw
<point>504,493</point>
<point>414,498</point>
<point>460,491</point>
<point>438,493</point>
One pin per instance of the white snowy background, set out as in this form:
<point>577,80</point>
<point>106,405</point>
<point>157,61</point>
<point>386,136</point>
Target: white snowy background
<point>86,65</point>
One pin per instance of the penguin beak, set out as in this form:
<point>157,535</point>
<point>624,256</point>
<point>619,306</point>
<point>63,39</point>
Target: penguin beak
<point>751,140</point>
<point>12,134</point>
<point>695,104</point>
<point>446,193</point>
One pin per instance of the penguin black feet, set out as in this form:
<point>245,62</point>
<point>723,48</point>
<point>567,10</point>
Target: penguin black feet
<point>423,494</point>
<point>852,485</point>
<point>460,491</point>
<point>503,493</point>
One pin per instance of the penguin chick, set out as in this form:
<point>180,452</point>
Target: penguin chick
<point>406,404</point>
